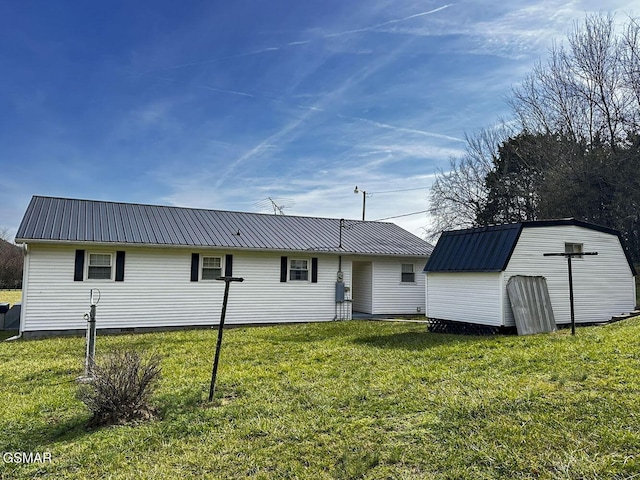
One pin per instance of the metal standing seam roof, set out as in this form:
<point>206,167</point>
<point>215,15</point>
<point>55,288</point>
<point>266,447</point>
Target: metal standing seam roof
<point>485,249</point>
<point>489,249</point>
<point>68,220</point>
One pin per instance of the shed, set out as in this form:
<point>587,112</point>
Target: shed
<point>467,273</point>
<point>155,266</point>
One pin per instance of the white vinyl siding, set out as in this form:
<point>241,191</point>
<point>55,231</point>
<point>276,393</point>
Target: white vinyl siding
<point>158,291</point>
<point>465,297</point>
<point>390,295</point>
<point>603,284</point>
<point>362,290</point>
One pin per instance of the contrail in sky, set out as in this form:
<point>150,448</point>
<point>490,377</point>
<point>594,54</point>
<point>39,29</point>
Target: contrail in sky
<point>304,42</point>
<point>402,129</point>
<point>398,20</point>
<point>346,117</point>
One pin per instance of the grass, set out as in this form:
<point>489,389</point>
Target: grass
<point>341,400</point>
<point>10,296</point>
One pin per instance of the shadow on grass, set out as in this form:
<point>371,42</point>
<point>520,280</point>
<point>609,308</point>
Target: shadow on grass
<point>181,401</point>
<point>299,333</point>
<point>415,340</point>
<point>35,436</point>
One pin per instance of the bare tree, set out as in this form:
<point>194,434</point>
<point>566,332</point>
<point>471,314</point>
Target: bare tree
<point>11,260</point>
<point>631,67</point>
<point>458,195</point>
<point>587,90</point>
<point>575,150</point>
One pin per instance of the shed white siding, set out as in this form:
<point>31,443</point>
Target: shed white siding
<point>465,297</point>
<point>157,291</point>
<point>603,285</point>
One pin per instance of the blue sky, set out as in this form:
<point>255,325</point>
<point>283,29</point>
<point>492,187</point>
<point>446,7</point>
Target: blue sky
<point>221,105</point>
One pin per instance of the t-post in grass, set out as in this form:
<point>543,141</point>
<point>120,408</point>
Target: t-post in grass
<point>214,373</point>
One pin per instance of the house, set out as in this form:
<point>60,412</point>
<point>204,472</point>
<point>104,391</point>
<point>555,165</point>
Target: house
<point>155,266</point>
<point>469,269</point>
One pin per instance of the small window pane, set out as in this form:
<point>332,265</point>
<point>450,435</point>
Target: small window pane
<point>211,262</point>
<point>298,264</point>
<point>408,275</point>
<point>100,273</point>
<point>299,275</point>
<point>299,270</point>
<point>573,248</point>
<point>99,266</point>
<point>100,260</point>
<point>211,268</point>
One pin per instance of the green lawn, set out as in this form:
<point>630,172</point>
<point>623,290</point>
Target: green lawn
<point>341,400</point>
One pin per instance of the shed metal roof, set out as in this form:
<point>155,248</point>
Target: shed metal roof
<point>485,249</point>
<point>489,249</point>
<point>51,219</point>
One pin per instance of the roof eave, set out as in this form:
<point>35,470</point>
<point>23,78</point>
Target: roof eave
<point>336,251</point>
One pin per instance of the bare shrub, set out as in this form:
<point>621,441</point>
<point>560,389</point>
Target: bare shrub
<point>121,388</point>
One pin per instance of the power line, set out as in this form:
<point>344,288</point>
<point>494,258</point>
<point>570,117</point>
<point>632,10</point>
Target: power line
<point>400,190</point>
<point>398,216</point>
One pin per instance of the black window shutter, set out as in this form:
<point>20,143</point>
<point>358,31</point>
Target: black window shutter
<point>120,266</point>
<point>228,265</point>
<point>314,270</point>
<point>283,268</point>
<point>78,273</point>
<point>195,266</point>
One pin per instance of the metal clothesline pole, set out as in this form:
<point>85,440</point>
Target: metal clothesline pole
<point>214,373</point>
<point>569,256</point>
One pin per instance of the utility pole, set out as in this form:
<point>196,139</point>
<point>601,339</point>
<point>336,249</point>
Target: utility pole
<point>364,199</point>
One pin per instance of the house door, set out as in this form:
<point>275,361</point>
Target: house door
<point>362,287</point>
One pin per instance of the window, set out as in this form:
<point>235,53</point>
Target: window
<point>100,266</point>
<point>573,248</point>
<point>408,275</point>
<point>211,268</point>
<point>299,270</point>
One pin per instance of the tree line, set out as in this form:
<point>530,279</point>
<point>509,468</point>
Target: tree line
<point>572,148</point>
<point>11,260</point>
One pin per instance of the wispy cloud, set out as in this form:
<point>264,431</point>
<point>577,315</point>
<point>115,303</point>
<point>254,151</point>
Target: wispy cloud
<point>520,29</point>
<point>311,40</point>
<point>336,96</point>
<point>303,106</point>
<point>261,147</point>
<point>388,22</point>
<point>315,108</point>
<point>232,92</point>
<point>402,129</point>
<point>218,59</point>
